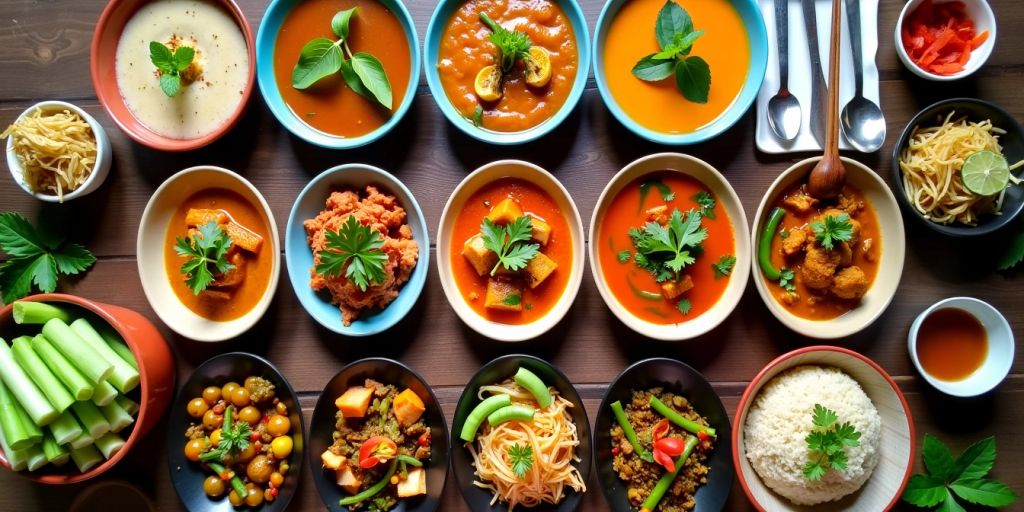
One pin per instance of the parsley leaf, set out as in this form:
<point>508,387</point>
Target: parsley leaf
<point>684,306</point>
<point>623,256</point>
<point>665,250</point>
<point>206,255</point>
<point>234,438</point>
<point>510,243</point>
<point>521,457</point>
<point>512,300</point>
<point>663,190</point>
<point>359,247</point>
<point>724,266</point>
<point>706,201</point>
<point>826,443</point>
<point>513,45</point>
<point>963,477</point>
<point>832,229</point>
<point>786,279</point>
<point>35,257</point>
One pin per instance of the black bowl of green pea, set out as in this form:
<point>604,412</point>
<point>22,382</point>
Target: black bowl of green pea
<point>533,374</point>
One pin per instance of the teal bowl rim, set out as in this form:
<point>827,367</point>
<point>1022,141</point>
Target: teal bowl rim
<point>327,314</point>
<point>438,20</point>
<point>758,37</point>
<point>266,38</point>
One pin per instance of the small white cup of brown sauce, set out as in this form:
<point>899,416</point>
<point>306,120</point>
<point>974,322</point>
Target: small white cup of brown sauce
<point>962,346</point>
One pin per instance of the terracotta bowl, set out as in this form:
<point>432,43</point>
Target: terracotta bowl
<point>104,76</point>
<point>156,376</point>
<point>885,485</point>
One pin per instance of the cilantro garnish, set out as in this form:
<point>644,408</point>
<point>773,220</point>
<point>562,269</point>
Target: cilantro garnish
<point>834,228</point>
<point>827,442</point>
<point>512,45</point>
<point>207,255</point>
<point>360,247</point>
<point>706,201</point>
<point>35,257</point>
<point>684,306</point>
<point>623,256</point>
<point>786,279</point>
<point>963,477</point>
<point>510,243</point>
<point>665,250</point>
<point>723,266</point>
<point>521,457</point>
<point>663,190</point>
<point>234,438</point>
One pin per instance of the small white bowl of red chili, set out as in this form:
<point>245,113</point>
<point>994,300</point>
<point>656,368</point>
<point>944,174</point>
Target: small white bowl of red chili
<point>945,40</point>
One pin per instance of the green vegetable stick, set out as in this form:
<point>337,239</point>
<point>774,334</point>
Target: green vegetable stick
<point>81,441</point>
<point>35,434</point>
<point>31,312</point>
<point>43,378</point>
<point>374,489</point>
<point>10,420</point>
<point>116,416</point>
<point>119,347</point>
<point>764,245</point>
<point>16,459</point>
<point>65,428</point>
<point>109,444</point>
<point>673,416</point>
<point>104,394</point>
<point>73,380</point>
<point>92,365</point>
<point>86,457</point>
<point>511,413</point>
<point>55,453</point>
<point>91,418</point>
<point>22,388</point>
<point>535,386</point>
<point>236,483</point>
<point>627,428</point>
<point>124,377</point>
<point>480,413</point>
<point>129,405</point>
<point>36,458</point>
<point>666,480</point>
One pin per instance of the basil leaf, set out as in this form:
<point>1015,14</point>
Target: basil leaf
<point>371,73</point>
<point>937,458</point>
<point>984,492</point>
<point>339,24</point>
<point>353,81</point>
<point>183,57</point>
<point>170,84</point>
<point>319,58</point>
<point>950,504</point>
<point>924,491</point>
<point>672,20</point>
<point>686,41</point>
<point>652,69</point>
<point>161,57</point>
<point>976,461</point>
<point>693,77</point>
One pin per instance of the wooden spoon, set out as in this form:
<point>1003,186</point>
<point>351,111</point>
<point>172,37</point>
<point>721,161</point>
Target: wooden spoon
<point>828,175</point>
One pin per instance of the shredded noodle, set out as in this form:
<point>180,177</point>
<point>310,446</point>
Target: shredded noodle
<point>56,150</point>
<point>554,439</point>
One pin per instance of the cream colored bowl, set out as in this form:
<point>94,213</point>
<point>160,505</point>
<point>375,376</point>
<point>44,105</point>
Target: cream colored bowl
<point>727,199</point>
<point>151,252</point>
<point>550,185</point>
<point>890,267</point>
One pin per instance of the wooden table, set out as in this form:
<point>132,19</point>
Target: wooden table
<point>46,56</point>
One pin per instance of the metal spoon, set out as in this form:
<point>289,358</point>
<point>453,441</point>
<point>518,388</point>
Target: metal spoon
<point>862,120</point>
<point>783,108</point>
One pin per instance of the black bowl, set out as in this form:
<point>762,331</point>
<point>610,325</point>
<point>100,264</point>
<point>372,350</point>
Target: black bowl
<point>188,476</point>
<point>1013,149</point>
<point>321,427</point>
<point>682,379</point>
<point>492,373</point>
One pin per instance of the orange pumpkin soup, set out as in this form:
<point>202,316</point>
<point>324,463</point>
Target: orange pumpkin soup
<point>329,105</point>
<point>493,291</point>
<point>654,200</point>
<point>465,49</point>
<point>235,292</point>
<point>659,106</point>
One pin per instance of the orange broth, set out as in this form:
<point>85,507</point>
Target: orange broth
<point>465,50</point>
<point>951,344</point>
<point>624,280</point>
<point>537,301</point>
<point>329,105</point>
<point>659,106</point>
<point>257,268</point>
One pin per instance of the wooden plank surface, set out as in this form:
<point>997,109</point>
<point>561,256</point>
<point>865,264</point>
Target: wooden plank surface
<point>46,57</point>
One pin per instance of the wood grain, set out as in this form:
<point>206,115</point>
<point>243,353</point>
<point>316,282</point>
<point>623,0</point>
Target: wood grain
<point>46,56</point>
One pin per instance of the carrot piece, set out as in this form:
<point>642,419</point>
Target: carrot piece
<point>978,40</point>
<point>947,69</point>
<point>964,57</point>
<point>243,237</point>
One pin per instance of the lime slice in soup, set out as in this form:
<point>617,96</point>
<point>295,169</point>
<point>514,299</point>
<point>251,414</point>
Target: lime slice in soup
<point>985,173</point>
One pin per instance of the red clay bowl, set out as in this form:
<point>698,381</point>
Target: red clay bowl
<point>104,77</point>
<point>885,485</point>
<point>156,376</point>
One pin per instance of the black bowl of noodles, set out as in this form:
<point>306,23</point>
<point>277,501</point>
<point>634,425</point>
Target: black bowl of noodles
<point>984,222</point>
<point>565,410</point>
<point>682,389</point>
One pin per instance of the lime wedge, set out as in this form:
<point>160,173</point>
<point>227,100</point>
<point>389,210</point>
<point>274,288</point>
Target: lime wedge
<point>985,173</point>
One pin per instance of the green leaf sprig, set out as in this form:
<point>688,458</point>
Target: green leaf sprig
<point>706,201</point>
<point>964,477</point>
<point>665,250</point>
<point>663,190</point>
<point>513,45</point>
<point>675,34</point>
<point>510,243</point>
<point>521,457</point>
<point>723,267</point>
<point>832,229</point>
<point>323,57</point>
<point>234,438</point>
<point>827,443</point>
<point>170,64</point>
<point>359,247</point>
<point>35,257</point>
<point>206,256</point>
<point>787,279</point>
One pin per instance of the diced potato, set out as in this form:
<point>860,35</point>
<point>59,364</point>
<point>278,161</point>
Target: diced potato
<point>504,294</point>
<point>506,211</point>
<point>235,276</point>
<point>658,214</point>
<point>200,216</point>
<point>408,407</point>
<point>354,401</point>
<point>348,480</point>
<point>243,237</point>
<point>414,485</point>
<point>672,289</point>
<point>332,460</point>
<point>539,268</point>
<point>482,258</point>
<point>541,230</point>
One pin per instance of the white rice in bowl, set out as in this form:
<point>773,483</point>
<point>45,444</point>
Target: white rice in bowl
<point>780,419</point>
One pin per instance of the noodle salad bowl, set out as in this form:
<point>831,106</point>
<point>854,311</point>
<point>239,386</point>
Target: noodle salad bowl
<point>1012,143</point>
<point>504,436</point>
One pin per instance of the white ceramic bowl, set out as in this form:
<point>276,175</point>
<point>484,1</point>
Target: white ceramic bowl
<point>151,251</point>
<point>549,184</point>
<point>100,170</point>
<point>883,489</point>
<point>984,19</point>
<point>1000,348</point>
<point>727,199</point>
<point>890,267</point>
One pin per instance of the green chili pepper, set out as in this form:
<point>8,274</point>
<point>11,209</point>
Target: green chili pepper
<point>764,245</point>
<point>627,428</point>
<point>372,491</point>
